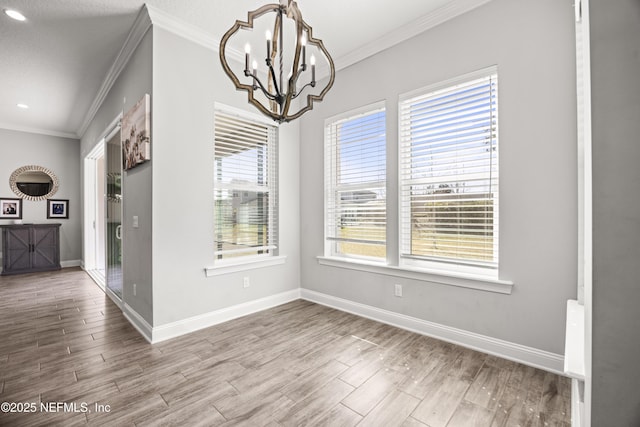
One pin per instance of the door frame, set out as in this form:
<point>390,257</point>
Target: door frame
<point>93,196</point>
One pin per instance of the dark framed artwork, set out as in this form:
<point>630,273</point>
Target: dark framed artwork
<point>58,209</point>
<point>10,208</point>
<point>135,134</point>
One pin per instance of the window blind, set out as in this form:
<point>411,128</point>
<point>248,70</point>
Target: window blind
<point>449,172</point>
<point>355,184</point>
<point>245,186</point>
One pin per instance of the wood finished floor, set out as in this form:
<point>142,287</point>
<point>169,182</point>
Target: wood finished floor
<point>63,340</point>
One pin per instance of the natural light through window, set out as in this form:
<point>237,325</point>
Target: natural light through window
<point>245,187</point>
<point>355,184</point>
<point>449,173</point>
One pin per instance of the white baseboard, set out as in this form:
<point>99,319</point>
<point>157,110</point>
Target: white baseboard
<point>192,324</point>
<point>522,354</point>
<point>138,322</point>
<point>71,263</point>
<point>519,353</point>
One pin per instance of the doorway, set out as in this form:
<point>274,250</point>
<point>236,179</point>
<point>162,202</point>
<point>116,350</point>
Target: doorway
<point>113,162</point>
<point>94,212</point>
<point>103,213</point>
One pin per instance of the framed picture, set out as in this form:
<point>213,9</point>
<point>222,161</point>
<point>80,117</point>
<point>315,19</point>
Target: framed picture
<point>135,134</point>
<point>58,209</point>
<point>10,208</point>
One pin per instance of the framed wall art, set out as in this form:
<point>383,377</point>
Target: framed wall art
<point>58,209</point>
<point>10,208</point>
<point>136,134</point>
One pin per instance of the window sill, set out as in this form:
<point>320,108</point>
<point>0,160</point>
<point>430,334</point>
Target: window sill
<point>472,281</point>
<point>246,264</point>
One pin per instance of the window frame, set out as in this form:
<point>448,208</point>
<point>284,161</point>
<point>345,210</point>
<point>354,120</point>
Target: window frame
<point>331,242</point>
<point>248,261</point>
<point>446,267</point>
<point>396,267</point>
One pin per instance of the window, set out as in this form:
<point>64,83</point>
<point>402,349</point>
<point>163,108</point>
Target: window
<point>449,174</point>
<point>355,184</point>
<point>245,186</point>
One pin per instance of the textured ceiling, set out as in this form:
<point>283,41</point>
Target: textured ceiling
<point>56,61</point>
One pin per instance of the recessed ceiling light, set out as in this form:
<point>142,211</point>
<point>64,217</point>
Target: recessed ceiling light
<point>14,14</point>
<point>23,106</point>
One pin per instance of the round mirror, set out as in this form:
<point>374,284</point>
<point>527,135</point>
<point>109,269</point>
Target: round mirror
<point>33,183</point>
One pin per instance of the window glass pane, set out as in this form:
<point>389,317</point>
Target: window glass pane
<point>449,176</point>
<point>242,222</point>
<point>245,187</point>
<point>356,185</point>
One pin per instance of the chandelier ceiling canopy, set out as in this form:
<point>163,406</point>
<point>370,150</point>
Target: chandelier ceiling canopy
<point>279,71</point>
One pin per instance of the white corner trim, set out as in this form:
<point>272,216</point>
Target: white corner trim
<point>507,350</point>
<point>192,324</point>
<point>574,350</point>
<point>138,322</point>
<point>137,32</point>
<point>249,264</point>
<point>471,281</point>
<point>449,11</point>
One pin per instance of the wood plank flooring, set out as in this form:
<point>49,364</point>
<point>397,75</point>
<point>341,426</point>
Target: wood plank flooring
<point>62,341</point>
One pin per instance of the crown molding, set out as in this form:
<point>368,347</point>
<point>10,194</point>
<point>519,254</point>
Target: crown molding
<point>168,22</point>
<point>137,32</point>
<point>449,11</point>
<point>190,32</point>
<point>150,15</point>
<point>48,132</point>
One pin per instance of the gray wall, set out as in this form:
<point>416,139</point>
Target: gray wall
<point>130,86</point>
<point>187,80</point>
<point>60,155</point>
<point>533,45</point>
<point>615,59</point>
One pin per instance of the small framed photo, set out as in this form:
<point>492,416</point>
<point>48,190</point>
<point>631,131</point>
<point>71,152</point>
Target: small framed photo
<point>58,209</point>
<point>10,208</point>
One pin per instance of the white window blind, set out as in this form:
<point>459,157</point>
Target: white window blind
<point>449,173</point>
<point>355,184</point>
<point>245,187</point>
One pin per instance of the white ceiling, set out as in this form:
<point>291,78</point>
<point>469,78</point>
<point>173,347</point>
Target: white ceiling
<point>57,60</point>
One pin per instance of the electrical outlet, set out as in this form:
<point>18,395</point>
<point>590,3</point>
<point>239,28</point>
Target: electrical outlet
<point>245,282</point>
<point>398,290</point>
<point>135,290</point>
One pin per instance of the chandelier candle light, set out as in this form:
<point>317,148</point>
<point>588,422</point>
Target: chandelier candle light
<point>268,90</point>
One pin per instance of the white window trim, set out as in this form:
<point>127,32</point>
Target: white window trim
<point>244,264</point>
<point>466,276</point>
<point>460,279</point>
<point>221,267</point>
<point>328,243</point>
<point>243,114</point>
<point>447,83</point>
<point>481,274</point>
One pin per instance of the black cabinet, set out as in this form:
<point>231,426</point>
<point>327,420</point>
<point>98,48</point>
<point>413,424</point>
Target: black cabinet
<point>28,248</point>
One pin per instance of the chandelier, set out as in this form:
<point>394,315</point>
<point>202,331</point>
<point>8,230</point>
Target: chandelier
<point>286,76</point>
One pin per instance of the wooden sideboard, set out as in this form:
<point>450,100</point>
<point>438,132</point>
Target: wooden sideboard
<point>28,248</point>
